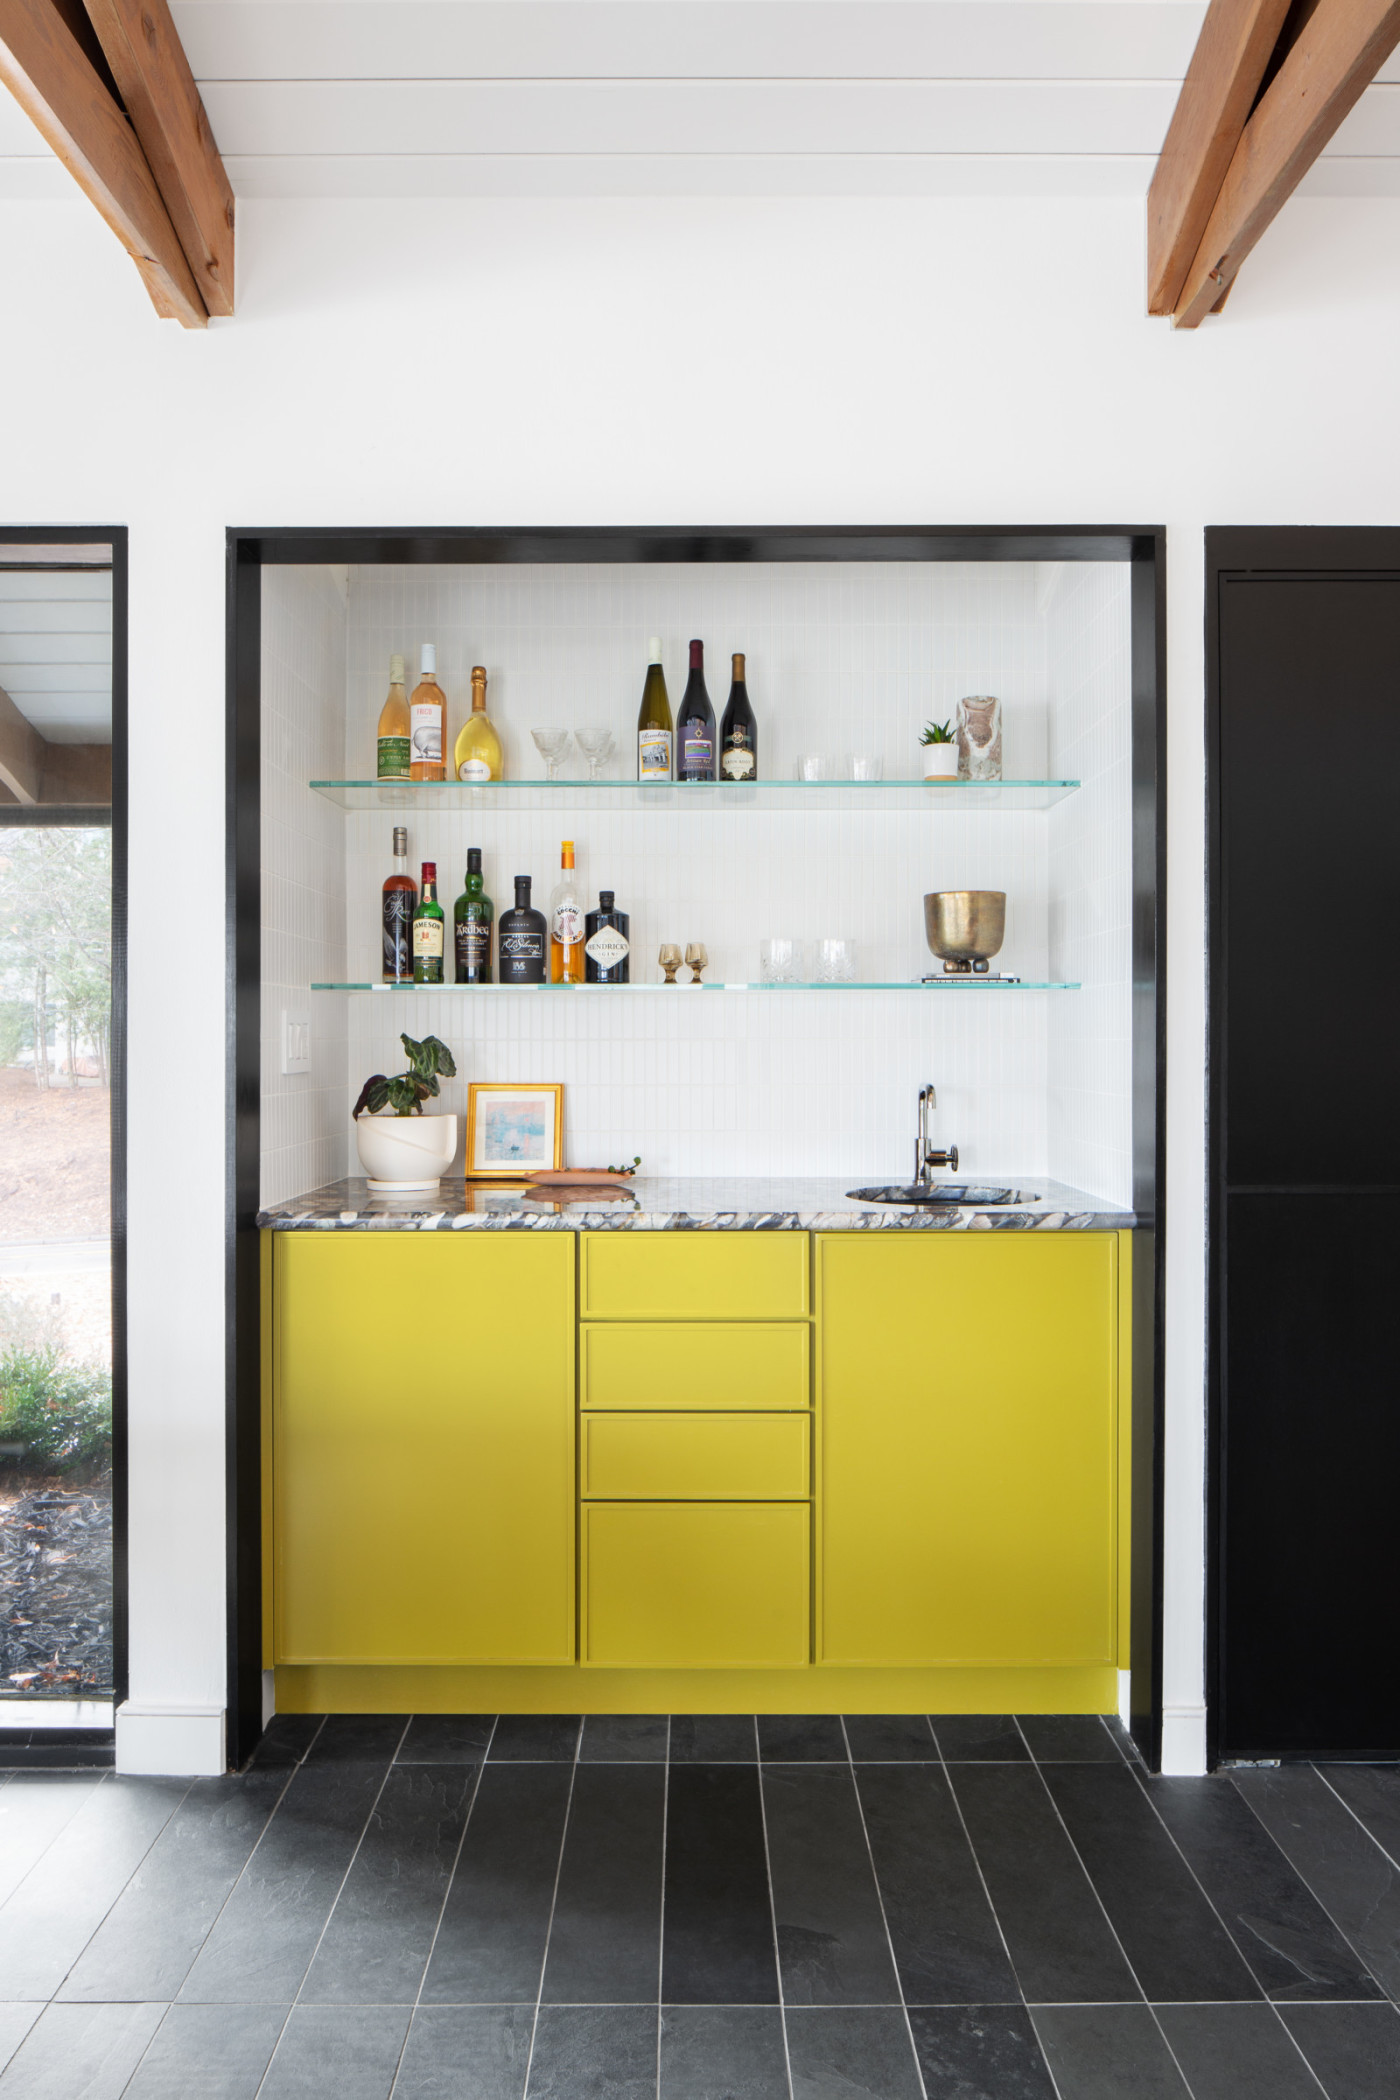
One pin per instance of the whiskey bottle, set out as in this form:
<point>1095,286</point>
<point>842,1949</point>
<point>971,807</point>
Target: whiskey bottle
<point>394,746</point>
<point>477,753</point>
<point>695,755</point>
<point>738,732</point>
<point>428,929</point>
<point>427,720</point>
<point>400,899</point>
<point>607,950</point>
<point>566,923</point>
<point>472,915</point>
<point>522,939</point>
<point>655,733</point>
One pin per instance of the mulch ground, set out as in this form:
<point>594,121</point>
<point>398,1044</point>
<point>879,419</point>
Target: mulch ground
<point>56,1587</point>
<point>54,1170</point>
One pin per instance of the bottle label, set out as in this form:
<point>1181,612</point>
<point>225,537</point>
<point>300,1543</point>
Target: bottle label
<point>524,946</point>
<point>567,925</point>
<point>737,761</point>
<point>697,757</point>
<point>398,933</point>
<point>394,757</point>
<point>425,724</point>
<point>427,937</point>
<point>474,769</point>
<point>653,754</point>
<point>473,943</point>
<point>608,948</point>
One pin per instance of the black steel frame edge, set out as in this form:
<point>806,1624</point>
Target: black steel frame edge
<point>250,548</point>
<point>114,536</point>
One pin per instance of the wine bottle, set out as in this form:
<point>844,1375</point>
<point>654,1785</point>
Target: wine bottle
<point>427,717</point>
<point>655,735</point>
<point>394,746</point>
<point>566,923</point>
<point>428,930</point>
<point>607,949</point>
<point>477,755</point>
<point>472,915</point>
<point>400,901</point>
<point>738,732</point>
<point>695,759</point>
<point>521,939</point>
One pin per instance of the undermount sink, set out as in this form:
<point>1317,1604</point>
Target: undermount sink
<point>962,1192</point>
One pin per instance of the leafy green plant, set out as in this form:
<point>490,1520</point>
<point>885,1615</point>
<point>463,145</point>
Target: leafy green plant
<point>407,1091</point>
<point>938,733</point>
<point>61,1412</point>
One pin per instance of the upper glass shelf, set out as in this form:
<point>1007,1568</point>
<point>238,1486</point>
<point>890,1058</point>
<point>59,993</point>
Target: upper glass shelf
<point>826,984</point>
<point>808,796</point>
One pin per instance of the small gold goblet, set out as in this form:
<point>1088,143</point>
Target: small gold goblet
<point>670,960</point>
<point>696,957</point>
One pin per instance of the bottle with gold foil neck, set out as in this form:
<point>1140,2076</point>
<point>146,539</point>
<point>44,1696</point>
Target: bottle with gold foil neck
<point>477,755</point>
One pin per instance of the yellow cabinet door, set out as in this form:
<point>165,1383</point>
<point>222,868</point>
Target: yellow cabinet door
<point>696,1585</point>
<point>694,1458</point>
<point>670,1363</point>
<point>423,1447</point>
<point>968,1397</point>
<point>693,1275</point>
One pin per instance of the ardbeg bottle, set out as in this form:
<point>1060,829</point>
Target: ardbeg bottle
<point>695,757</point>
<point>400,899</point>
<point>522,940</point>
<point>607,950</point>
<point>428,930</point>
<point>655,734</point>
<point>472,915</point>
<point>738,732</point>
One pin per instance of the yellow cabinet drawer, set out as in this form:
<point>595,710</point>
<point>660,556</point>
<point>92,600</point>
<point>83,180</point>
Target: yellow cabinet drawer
<point>674,1365</point>
<point>693,1275</point>
<point>695,1457</point>
<point>695,1585</point>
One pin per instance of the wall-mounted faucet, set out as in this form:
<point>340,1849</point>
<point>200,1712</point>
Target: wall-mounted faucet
<point>924,1157</point>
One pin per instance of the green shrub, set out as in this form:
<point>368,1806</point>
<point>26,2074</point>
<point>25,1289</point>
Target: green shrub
<point>60,1412</point>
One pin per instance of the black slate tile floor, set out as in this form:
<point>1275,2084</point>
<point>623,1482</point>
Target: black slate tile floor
<point>714,1907</point>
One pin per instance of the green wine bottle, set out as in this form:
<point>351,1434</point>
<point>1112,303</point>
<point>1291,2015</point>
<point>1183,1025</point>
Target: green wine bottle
<point>472,915</point>
<point>655,729</point>
<point>429,927</point>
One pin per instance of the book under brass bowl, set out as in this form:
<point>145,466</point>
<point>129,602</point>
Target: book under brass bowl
<point>964,928</point>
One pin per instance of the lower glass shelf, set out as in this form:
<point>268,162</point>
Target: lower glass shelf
<point>611,991</point>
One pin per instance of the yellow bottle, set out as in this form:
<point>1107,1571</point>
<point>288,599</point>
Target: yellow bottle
<point>478,752</point>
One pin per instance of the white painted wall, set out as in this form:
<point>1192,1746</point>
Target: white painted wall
<point>624,361</point>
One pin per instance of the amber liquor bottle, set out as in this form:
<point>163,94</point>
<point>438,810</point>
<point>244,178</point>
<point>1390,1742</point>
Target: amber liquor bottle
<point>400,901</point>
<point>429,928</point>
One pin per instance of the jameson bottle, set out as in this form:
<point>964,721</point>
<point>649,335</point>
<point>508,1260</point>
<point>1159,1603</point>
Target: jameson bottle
<point>654,729</point>
<point>393,742</point>
<point>472,915</point>
<point>400,898</point>
<point>738,732</point>
<point>522,940</point>
<point>428,930</point>
<point>695,755</point>
<point>607,949</point>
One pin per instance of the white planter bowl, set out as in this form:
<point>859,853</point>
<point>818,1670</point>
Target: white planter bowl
<point>940,761</point>
<point>405,1152</point>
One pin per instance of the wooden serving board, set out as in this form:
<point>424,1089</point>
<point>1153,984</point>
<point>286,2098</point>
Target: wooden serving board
<point>588,1176</point>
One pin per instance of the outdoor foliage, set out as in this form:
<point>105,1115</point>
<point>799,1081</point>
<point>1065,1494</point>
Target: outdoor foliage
<point>61,1412</point>
<point>407,1093</point>
<point>55,940</point>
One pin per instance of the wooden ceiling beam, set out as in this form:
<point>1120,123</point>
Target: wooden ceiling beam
<point>21,754</point>
<point>144,51</point>
<point>1339,51</point>
<point>46,71</point>
<point>1235,45</point>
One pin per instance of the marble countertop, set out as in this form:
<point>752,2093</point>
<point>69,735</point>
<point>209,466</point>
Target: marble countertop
<point>690,1205</point>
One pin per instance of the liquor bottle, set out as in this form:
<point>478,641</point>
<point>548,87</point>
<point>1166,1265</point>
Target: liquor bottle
<point>655,735</point>
<point>428,930</point>
<point>394,746</point>
<point>607,949</point>
<point>566,922</point>
<point>472,915</point>
<point>521,939</point>
<point>738,732</point>
<point>695,757</point>
<point>400,901</point>
<point>477,755</point>
<point>427,718</point>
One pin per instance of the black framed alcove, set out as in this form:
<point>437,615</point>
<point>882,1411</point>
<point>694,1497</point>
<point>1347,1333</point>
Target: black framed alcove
<point>249,551</point>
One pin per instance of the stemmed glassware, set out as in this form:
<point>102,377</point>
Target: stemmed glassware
<point>596,745</point>
<point>551,745</point>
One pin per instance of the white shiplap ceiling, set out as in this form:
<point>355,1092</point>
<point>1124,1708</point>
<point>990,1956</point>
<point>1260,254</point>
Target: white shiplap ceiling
<point>365,98</point>
<point>56,646</point>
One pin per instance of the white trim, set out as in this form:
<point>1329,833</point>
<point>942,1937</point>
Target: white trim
<point>1184,1740</point>
<point>1125,1697</point>
<point>182,1741</point>
<point>269,1696</point>
<point>55,1713</point>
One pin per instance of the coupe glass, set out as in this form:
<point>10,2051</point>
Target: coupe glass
<point>597,747</point>
<point>551,745</point>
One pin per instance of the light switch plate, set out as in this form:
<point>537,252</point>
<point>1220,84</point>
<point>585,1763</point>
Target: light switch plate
<point>296,1044</point>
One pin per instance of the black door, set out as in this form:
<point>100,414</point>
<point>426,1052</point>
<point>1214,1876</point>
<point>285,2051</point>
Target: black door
<point>1305,1142</point>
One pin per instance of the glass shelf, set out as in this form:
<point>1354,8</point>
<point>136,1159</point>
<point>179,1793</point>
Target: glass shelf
<point>772,796</point>
<point>611,991</point>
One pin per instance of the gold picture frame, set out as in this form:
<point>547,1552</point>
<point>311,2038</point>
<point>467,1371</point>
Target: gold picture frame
<point>513,1130</point>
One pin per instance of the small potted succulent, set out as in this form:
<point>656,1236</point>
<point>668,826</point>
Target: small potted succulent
<point>400,1148</point>
<point>940,751</point>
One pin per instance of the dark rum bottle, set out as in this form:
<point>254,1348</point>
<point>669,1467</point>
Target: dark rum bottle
<point>428,930</point>
<point>472,915</point>
<point>522,941</point>
<point>738,732</point>
<point>400,898</point>
<point>695,737</point>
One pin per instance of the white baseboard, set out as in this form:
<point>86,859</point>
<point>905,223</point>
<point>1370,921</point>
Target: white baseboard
<point>269,1695</point>
<point>181,1741</point>
<point>1184,1740</point>
<point>1125,1697</point>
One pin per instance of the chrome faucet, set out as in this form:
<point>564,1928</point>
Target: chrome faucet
<point>924,1156</point>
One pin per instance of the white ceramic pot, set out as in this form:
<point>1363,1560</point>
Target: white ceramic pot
<point>940,761</point>
<point>405,1152</point>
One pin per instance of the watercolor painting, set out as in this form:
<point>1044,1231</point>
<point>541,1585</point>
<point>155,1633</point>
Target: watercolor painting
<point>515,1133</point>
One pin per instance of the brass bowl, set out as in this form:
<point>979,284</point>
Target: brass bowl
<point>965,927</point>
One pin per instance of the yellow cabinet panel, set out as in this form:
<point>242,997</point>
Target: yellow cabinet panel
<point>667,1364</point>
<point>424,1447</point>
<point>967,1383</point>
<point>709,1457</point>
<point>693,1275</point>
<point>695,1585</point>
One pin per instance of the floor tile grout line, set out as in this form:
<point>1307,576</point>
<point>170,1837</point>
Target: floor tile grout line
<point>772,1903</point>
<point>1384,1850</point>
<point>880,1899</point>
<point>553,1905</point>
<point>99,1774</point>
<point>661,1935</point>
<point>155,1840</point>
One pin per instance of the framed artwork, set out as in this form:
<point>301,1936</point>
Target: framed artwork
<point>513,1130</point>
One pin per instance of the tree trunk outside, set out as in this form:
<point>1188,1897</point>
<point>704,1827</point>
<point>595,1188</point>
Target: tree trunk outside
<point>72,1053</point>
<point>41,1029</point>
